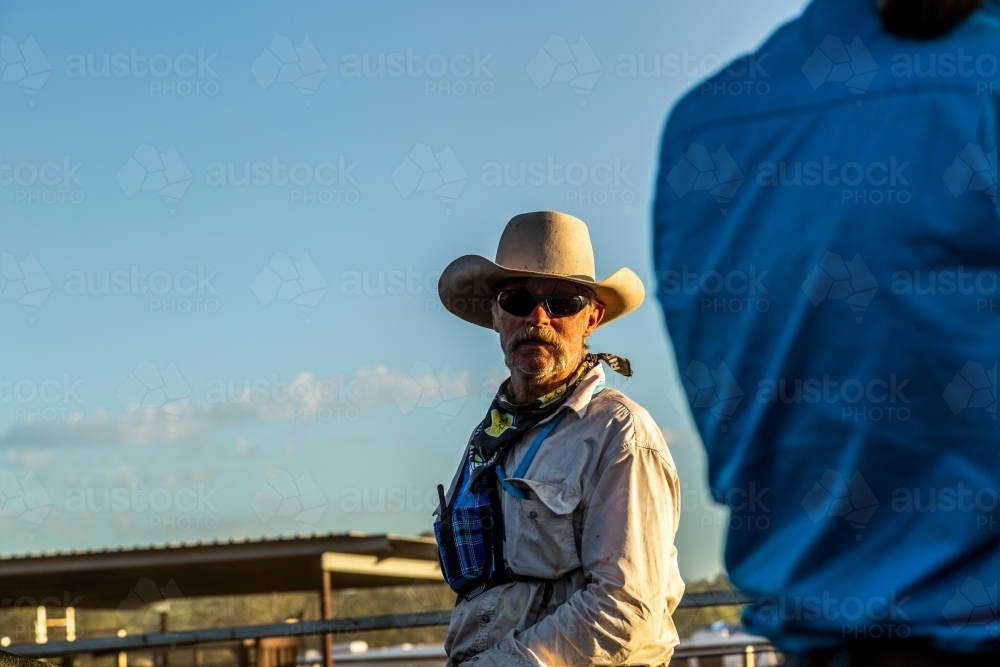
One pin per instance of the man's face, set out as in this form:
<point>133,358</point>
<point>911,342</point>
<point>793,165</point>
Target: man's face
<point>539,344</point>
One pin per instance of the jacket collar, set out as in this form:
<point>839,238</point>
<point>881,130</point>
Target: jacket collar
<point>583,393</point>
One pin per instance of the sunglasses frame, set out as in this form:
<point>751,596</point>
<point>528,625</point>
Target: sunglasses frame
<point>554,294</point>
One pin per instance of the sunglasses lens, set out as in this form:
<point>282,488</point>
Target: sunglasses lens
<point>563,306</point>
<point>521,302</point>
<point>518,302</point>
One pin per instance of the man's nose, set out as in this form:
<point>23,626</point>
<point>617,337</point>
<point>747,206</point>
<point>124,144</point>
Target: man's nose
<point>539,315</point>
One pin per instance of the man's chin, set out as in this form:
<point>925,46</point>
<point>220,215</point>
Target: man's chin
<point>536,365</point>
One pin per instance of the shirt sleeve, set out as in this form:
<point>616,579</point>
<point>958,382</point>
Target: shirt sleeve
<point>629,562</point>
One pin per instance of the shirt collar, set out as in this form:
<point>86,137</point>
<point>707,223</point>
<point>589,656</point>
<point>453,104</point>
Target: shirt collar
<point>583,393</point>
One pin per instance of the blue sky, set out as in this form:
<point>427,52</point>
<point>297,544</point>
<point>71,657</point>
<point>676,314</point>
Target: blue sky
<point>221,247</point>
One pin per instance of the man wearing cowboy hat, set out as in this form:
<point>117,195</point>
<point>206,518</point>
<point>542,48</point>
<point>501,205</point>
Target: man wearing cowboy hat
<point>558,529</point>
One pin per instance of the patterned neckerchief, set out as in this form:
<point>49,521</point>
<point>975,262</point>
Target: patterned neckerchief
<point>506,422</point>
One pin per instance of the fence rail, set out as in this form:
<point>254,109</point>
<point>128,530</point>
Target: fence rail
<point>170,640</point>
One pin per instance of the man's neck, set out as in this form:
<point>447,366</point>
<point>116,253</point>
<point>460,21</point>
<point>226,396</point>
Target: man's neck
<point>526,388</point>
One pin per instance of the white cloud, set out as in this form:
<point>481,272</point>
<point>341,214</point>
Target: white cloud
<point>221,404</point>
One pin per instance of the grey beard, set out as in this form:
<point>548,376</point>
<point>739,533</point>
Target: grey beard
<point>560,364</point>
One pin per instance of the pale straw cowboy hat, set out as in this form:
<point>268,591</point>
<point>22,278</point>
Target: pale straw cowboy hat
<point>544,244</point>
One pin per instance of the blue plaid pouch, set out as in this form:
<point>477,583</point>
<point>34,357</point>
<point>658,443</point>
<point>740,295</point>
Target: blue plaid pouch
<point>469,534</point>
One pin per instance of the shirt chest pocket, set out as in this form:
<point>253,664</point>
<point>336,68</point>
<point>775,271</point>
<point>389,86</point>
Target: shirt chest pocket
<point>541,538</point>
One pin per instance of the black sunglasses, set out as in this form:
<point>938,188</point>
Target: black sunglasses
<point>521,302</point>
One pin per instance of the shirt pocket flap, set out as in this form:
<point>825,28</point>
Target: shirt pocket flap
<point>559,498</point>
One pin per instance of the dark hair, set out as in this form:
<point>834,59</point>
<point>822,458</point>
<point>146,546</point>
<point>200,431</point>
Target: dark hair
<point>924,19</point>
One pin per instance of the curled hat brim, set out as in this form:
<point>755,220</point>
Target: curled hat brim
<point>468,284</point>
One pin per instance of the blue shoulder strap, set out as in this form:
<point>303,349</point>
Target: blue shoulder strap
<point>529,455</point>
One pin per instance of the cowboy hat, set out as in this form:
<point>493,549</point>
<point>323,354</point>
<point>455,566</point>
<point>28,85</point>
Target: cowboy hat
<point>544,244</point>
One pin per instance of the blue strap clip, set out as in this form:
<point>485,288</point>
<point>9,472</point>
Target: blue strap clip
<point>529,456</point>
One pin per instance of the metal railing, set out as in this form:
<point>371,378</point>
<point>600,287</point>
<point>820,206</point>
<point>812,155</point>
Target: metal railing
<point>177,639</point>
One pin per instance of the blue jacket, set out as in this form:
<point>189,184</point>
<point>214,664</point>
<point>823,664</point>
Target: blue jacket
<point>827,244</point>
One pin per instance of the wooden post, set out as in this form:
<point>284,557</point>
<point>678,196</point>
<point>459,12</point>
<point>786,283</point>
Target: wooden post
<point>327,610</point>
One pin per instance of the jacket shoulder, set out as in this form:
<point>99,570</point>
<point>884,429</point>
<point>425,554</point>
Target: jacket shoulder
<point>616,411</point>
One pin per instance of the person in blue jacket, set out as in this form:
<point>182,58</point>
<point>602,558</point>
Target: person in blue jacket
<point>827,246</point>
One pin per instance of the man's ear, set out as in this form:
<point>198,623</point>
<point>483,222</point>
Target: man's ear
<point>493,313</point>
<point>595,317</point>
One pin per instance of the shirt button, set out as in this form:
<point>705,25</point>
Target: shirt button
<point>532,514</point>
<point>485,618</point>
<point>474,658</point>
